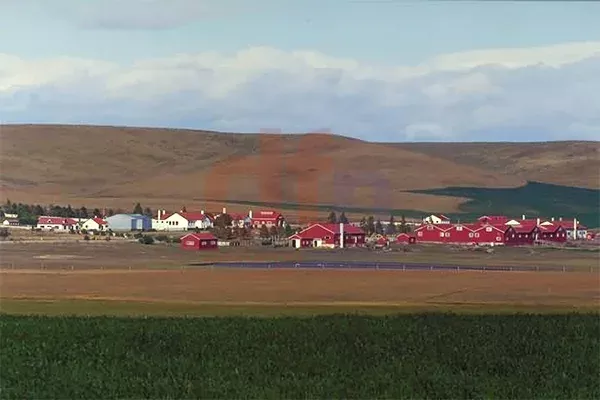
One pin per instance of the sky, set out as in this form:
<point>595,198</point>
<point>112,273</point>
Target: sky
<point>380,70</point>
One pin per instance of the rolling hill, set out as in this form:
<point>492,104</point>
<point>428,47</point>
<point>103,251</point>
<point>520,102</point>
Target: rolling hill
<point>117,166</point>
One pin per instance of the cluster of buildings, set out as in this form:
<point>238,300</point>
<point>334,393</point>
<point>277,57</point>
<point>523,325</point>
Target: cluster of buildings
<point>435,229</point>
<point>167,222</point>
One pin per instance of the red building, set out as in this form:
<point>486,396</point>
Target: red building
<point>490,234</point>
<point>405,238</point>
<point>553,233</point>
<point>433,233</point>
<point>268,218</point>
<point>328,235</point>
<point>199,241</point>
<point>522,235</point>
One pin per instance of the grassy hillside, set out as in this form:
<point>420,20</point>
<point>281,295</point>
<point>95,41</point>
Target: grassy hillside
<point>410,356</point>
<point>116,167</point>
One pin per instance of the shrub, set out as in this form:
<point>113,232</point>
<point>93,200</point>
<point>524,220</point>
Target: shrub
<point>161,238</point>
<point>86,237</point>
<point>146,239</point>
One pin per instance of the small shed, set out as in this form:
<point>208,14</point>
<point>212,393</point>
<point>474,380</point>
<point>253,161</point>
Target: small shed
<point>405,238</point>
<point>199,241</point>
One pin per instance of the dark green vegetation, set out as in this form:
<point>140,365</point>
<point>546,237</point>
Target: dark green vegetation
<point>533,199</point>
<point>417,356</point>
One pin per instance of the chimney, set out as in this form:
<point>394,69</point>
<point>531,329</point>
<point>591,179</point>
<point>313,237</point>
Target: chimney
<point>560,218</point>
<point>537,222</point>
<point>202,212</point>
<point>575,228</point>
<point>341,235</point>
<point>250,213</point>
<point>159,213</point>
<point>224,210</point>
<point>523,217</point>
<point>552,219</point>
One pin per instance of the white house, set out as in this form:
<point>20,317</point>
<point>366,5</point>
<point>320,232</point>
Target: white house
<point>182,221</point>
<point>57,223</point>
<point>95,224</point>
<point>436,219</point>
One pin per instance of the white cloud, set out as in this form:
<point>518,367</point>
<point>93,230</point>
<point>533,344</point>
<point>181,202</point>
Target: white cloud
<point>506,94</point>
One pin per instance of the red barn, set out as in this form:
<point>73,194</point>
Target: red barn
<point>488,234</point>
<point>433,233</point>
<point>328,235</point>
<point>522,235</point>
<point>268,218</point>
<point>405,238</point>
<point>199,241</point>
<point>553,233</point>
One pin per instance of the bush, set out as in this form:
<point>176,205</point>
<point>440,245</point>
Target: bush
<point>86,237</point>
<point>138,235</point>
<point>161,238</point>
<point>146,239</point>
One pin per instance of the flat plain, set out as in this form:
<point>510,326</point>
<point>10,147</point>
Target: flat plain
<point>84,278</point>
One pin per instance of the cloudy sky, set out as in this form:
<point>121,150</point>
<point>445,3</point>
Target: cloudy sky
<point>379,70</point>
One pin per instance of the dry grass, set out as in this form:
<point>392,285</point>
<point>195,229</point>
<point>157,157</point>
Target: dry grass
<point>312,289</point>
<point>115,167</point>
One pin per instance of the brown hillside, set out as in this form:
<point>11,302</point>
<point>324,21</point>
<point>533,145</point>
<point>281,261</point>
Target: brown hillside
<point>116,166</point>
<point>570,163</point>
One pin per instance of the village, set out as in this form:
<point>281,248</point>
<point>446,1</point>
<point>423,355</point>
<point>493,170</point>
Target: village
<point>210,230</point>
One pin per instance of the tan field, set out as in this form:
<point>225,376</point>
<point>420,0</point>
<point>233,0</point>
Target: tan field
<point>129,278</point>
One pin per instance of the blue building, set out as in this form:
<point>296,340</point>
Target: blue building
<point>129,222</point>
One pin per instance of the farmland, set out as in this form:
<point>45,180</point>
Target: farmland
<point>410,356</point>
<point>78,321</point>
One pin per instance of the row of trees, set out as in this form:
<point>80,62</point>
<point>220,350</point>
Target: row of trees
<point>371,226</point>
<point>28,213</point>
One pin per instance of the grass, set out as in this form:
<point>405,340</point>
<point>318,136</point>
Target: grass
<point>340,356</point>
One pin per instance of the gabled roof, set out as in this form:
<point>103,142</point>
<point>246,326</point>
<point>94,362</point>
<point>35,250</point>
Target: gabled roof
<point>99,221</point>
<point>333,229</point>
<point>201,236</point>
<point>266,215</point>
<point>567,224</point>
<point>56,220</point>
<point>441,227</point>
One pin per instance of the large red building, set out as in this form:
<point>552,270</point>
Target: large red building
<point>328,235</point>
<point>199,241</point>
<point>267,218</point>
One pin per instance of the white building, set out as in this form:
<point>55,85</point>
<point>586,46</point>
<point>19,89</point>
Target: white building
<point>57,224</point>
<point>436,219</point>
<point>95,224</point>
<point>182,221</point>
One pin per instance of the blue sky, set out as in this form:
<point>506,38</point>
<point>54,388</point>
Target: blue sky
<point>378,70</point>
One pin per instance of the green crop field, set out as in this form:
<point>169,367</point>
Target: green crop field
<point>404,356</point>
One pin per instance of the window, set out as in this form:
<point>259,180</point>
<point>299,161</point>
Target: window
<point>470,234</point>
<point>430,228</point>
<point>477,235</point>
<point>447,234</point>
<point>441,234</point>
<point>498,239</point>
<point>420,233</point>
<point>459,228</point>
<point>488,229</point>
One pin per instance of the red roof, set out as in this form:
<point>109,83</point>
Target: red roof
<point>201,236</point>
<point>335,228</point>
<point>266,216</point>
<point>567,224</point>
<point>56,221</point>
<point>99,221</point>
<point>494,219</point>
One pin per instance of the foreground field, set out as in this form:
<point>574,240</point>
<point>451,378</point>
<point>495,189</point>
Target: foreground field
<point>417,356</point>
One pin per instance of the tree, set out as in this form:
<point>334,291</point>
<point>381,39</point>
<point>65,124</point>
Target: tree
<point>343,219</point>
<point>223,220</point>
<point>370,225</point>
<point>404,228</point>
<point>183,209</point>
<point>96,213</point>
<point>148,212</point>
<point>273,232</point>
<point>110,212</point>
<point>138,209</point>
<point>264,232</point>
<point>38,210</point>
<point>332,218</point>
<point>83,212</point>
<point>288,230</point>
<point>378,227</point>
<point>363,224</point>
<point>391,228</point>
